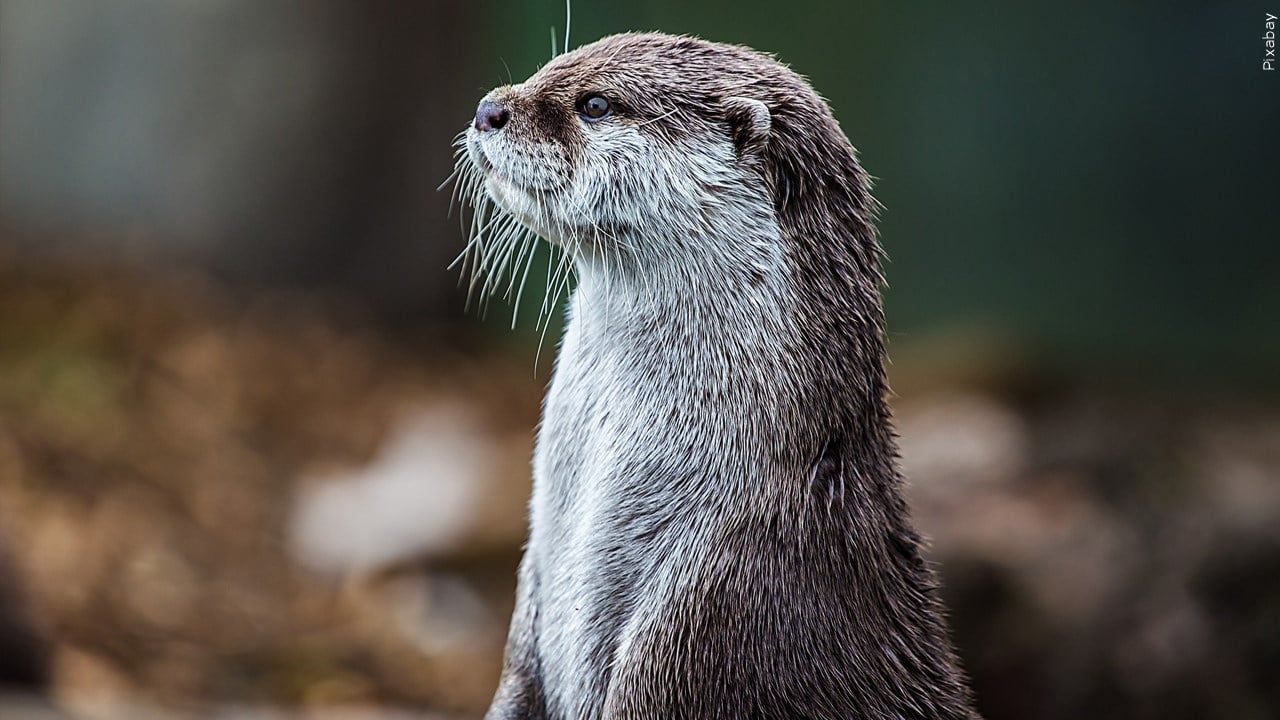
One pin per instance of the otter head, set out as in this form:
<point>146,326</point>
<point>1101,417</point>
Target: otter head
<point>651,146</point>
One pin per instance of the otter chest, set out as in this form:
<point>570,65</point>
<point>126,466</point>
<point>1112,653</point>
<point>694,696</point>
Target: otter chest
<point>604,514</point>
<point>641,448</point>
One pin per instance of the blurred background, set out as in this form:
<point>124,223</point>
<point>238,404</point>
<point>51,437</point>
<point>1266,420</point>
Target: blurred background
<point>257,461</point>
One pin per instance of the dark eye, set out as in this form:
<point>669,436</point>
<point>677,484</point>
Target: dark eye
<point>594,107</point>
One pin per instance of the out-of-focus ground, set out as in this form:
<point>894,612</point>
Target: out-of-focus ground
<point>252,505</point>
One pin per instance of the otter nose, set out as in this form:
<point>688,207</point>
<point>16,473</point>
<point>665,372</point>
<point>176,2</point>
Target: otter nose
<point>491,116</point>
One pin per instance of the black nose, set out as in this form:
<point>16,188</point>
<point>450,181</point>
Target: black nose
<point>491,116</point>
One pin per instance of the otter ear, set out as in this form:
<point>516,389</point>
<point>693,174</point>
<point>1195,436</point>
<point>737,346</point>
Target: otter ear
<point>749,123</point>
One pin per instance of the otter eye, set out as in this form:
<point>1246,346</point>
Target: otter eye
<point>594,107</point>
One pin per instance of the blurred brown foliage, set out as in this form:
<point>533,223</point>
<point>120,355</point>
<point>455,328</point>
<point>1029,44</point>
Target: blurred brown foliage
<point>153,435</point>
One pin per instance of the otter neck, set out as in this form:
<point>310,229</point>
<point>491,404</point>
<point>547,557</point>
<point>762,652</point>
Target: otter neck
<point>610,283</point>
<point>798,387</point>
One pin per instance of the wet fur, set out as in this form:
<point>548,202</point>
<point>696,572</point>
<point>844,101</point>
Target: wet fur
<point>717,528</point>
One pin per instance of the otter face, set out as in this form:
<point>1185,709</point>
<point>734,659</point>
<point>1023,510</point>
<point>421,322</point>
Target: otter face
<point>634,139</point>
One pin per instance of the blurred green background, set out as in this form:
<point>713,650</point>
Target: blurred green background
<point>257,460</point>
<point>1097,180</point>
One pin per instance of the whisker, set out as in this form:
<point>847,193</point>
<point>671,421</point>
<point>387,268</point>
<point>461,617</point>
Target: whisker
<point>528,265</point>
<point>568,22</point>
<point>610,58</point>
<point>667,114</point>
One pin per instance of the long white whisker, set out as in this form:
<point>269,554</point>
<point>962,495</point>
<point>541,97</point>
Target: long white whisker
<point>568,22</point>
<point>504,254</point>
<point>515,267</point>
<point>528,265</point>
<point>610,58</point>
<point>546,323</point>
<point>667,114</point>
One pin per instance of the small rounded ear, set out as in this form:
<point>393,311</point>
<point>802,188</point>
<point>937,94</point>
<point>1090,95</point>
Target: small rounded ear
<point>749,123</point>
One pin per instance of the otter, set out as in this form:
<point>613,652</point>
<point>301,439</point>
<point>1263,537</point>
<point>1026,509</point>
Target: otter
<point>717,527</point>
